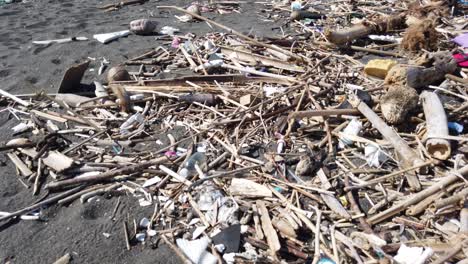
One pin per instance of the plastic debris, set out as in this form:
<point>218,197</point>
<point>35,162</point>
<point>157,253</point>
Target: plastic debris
<point>296,6</point>
<point>413,255</point>
<point>197,159</point>
<point>379,68</point>
<point>132,122</point>
<point>375,156</point>
<point>457,127</point>
<point>462,40</point>
<point>229,238</point>
<point>167,30</point>
<point>195,250</point>
<point>352,129</point>
<point>108,37</point>
<point>21,127</point>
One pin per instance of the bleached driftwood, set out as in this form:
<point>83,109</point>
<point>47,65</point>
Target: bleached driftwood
<point>53,159</point>
<point>406,153</point>
<point>244,187</point>
<point>464,220</point>
<point>14,98</point>
<point>381,26</point>
<point>436,122</point>
<point>22,167</point>
<point>267,226</point>
<point>330,200</point>
<point>401,206</point>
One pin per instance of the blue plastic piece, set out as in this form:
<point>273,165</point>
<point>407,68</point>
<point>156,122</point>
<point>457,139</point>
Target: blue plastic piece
<point>325,261</point>
<point>278,189</point>
<point>455,127</point>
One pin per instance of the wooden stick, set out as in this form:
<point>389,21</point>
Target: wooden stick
<point>317,238</point>
<point>457,248</point>
<point>175,175</point>
<point>85,196</point>
<point>464,220</point>
<point>25,171</point>
<point>388,176</point>
<point>254,58</point>
<point>423,205</point>
<point>193,65</point>
<point>126,236</point>
<point>37,180</point>
<point>291,121</point>
<point>122,3</point>
<point>199,212</point>
<point>260,73</point>
<point>408,155</point>
<point>330,200</point>
<point>41,204</point>
<point>456,79</point>
<point>14,98</point>
<point>347,35</point>
<point>374,51</point>
<point>325,112</point>
<point>232,31</point>
<point>75,196</point>
<point>106,175</point>
<point>268,230</point>
<point>444,182</point>
<point>453,199</point>
<point>354,205</point>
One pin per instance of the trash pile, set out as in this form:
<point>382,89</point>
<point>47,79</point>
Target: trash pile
<point>343,143</point>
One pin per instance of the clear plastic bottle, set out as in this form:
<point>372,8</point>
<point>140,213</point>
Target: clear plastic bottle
<point>197,158</point>
<point>133,121</point>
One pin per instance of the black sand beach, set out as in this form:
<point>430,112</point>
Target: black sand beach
<point>27,68</point>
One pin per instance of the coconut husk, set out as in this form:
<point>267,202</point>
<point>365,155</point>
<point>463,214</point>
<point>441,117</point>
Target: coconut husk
<point>397,103</point>
<point>434,10</point>
<point>420,36</point>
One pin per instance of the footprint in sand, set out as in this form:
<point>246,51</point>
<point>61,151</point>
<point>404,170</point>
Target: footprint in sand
<point>38,49</point>
<point>31,79</point>
<point>56,61</point>
<point>4,73</point>
<point>92,211</point>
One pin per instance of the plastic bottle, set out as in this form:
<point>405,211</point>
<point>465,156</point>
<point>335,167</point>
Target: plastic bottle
<point>135,120</point>
<point>353,129</point>
<point>197,158</point>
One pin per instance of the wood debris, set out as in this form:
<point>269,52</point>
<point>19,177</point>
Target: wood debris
<point>285,137</point>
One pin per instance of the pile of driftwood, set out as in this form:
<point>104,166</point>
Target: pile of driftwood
<point>290,149</point>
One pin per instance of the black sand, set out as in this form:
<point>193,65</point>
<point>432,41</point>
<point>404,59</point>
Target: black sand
<point>27,68</point>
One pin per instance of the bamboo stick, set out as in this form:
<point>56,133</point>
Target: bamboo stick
<point>444,182</point>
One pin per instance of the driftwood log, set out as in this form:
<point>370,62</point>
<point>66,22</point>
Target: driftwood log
<point>347,35</point>
<point>436,122</point>
<point>419,77</point>
<point>407,154</point>
<point>397,103</point>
